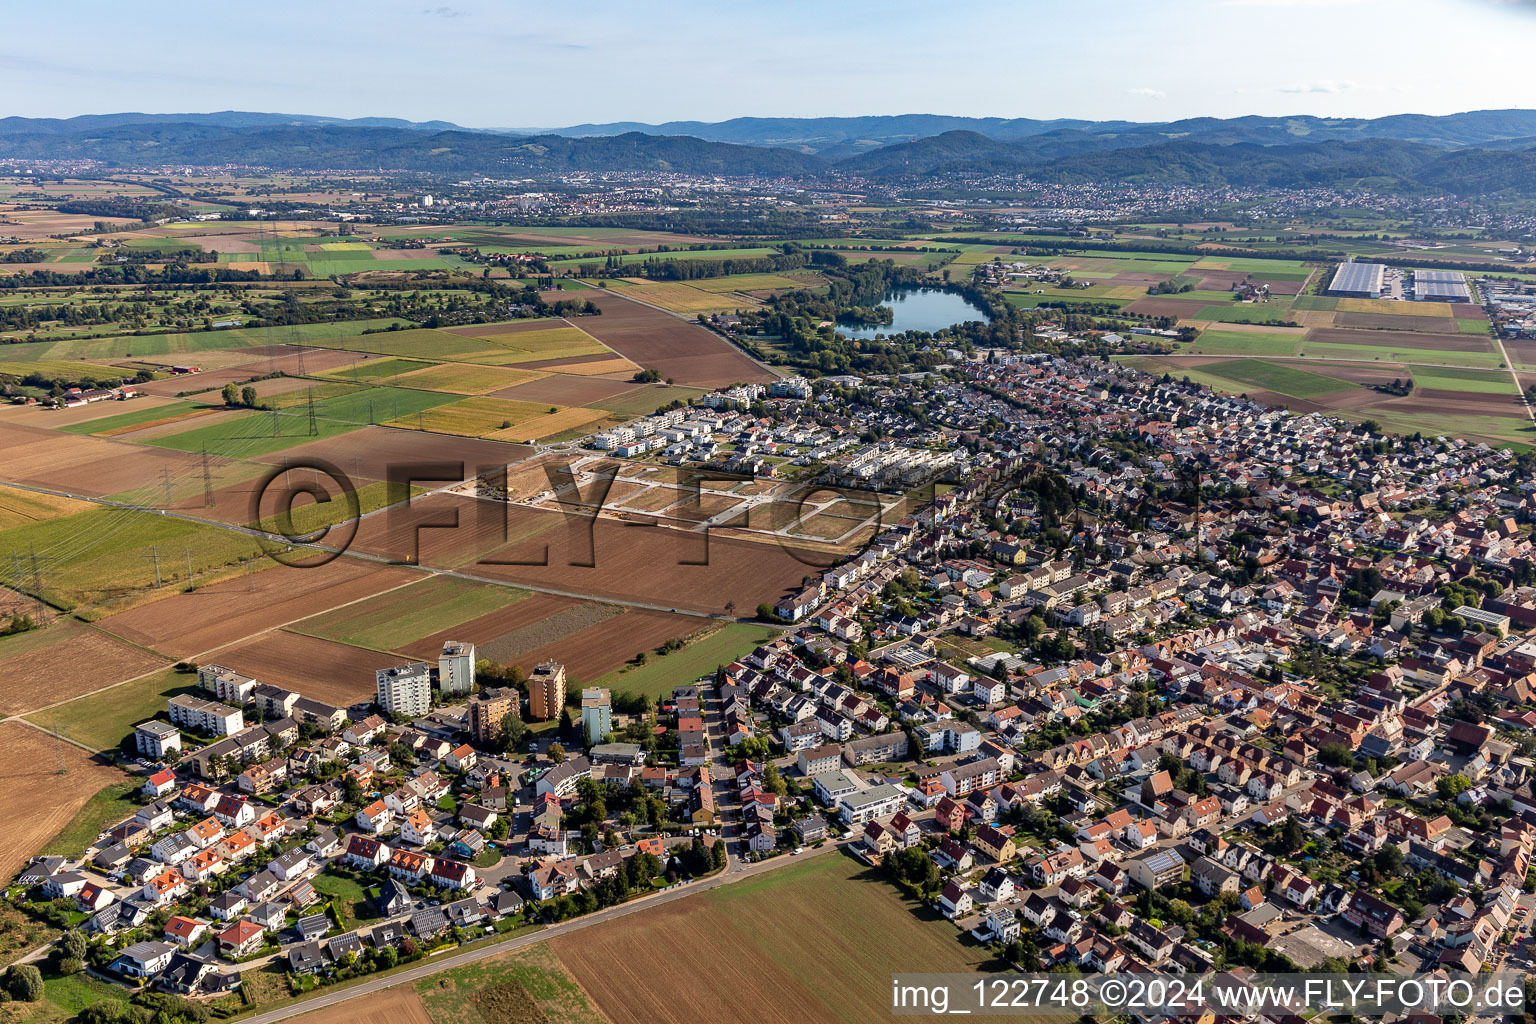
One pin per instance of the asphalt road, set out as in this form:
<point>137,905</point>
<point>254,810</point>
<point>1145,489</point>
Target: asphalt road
<point>330,997</point>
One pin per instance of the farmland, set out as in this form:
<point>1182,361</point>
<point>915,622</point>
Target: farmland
<point>523,985</point>
<point>699,658</point>
<point>36,801</point>
<point>51,665</point>
<point>102,721</point>
<point>816,941</point>
<point>399,618</point>
<point>681,353</point>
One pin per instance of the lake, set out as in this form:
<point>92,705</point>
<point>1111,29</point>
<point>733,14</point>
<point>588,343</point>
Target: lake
<point>918,309</point>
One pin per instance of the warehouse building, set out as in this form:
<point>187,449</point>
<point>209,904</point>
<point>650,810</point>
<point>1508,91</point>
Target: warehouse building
<point>1441,286</point>
<point>1358,280</point>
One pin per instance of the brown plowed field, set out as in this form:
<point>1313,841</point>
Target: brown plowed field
<point>1431,401</point>
<point>1392,322</point>
<point>320,669</point>
<point>641,563</point>
<point>1400,339</point>
<point>184,625</point>
<point>208,380</point>
<point>1467,311</point>
<point>63,662</point>
<point>297,359</point>
<point>36,802</point>
<point>554,634</point>
<point>1522,350</point>
<point>407,533</point>
<point>493,625</point>
<point>368,453</point>
<point>680,351</point>
<point>86,465</point>
<point>1137,277</point>
<point>398,1005</point>
<point>600,649</point>
<point>1167,307</point>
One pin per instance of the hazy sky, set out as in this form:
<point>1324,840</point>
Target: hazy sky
<point>509,63</point>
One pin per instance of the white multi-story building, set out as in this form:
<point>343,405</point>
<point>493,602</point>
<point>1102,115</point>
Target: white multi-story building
<point>456,668</point>
<point>404,689</point>
<point>154,738</point>
<point>596,714</point>
<point>205,716</point>
<point>226,684</point>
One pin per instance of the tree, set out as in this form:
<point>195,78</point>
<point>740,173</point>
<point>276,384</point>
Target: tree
<point>513,732</point>
<point>73,944</point>
<point>557,753</point>
<point>717,854</point>
<point>1451,786</point>
<point>387,957</point>
<point>1292,838</point>
<point>24,983</point>
<point>231,394</point>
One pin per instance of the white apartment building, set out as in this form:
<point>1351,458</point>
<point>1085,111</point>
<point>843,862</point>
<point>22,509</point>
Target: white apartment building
<point>205,716</point>
<point>456,668</point>
<point>404,689</point>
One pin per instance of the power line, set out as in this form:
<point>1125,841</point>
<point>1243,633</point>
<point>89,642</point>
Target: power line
<point>207,481</point>
<point>154,555</point>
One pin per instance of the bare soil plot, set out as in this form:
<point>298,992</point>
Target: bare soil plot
<point>553,634</point>
<point>208,380</point>
<point>367,454</point>
<point>678,350</point>
<point>36,802</point>
<point>1522,351</point>
<point>320,669</point>
<point>650,564</point>
<point>86,465</point>
<point>604,647</point>
<point>704,957</point>
<point>399,1005</point>
<point>1399,339</point>
<point>450,530</point>
<point>1167,307</point>
<point>64,661</point>
<point>1391,322</point>
<point>1467,311</point>
<point>1433,401</point>
<point>1138,277</point>
<point>297,359</point>
<point>218,614</point>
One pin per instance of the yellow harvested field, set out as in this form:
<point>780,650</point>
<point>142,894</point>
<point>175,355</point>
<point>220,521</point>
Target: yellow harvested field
<point>463,378</point>
<point>682,298</point>
<point>19,507</point>
<point>499,418</point>
<point>344,247</point>
<point>548,424</point>
<point>751,283</point>
<point>550,343</point>
<point>1126,291</point>
<point>618,364</point>
<point>1394,307</point>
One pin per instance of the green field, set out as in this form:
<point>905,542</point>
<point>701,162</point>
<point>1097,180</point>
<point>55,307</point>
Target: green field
<point>1449,378</point>
<point>259,433</point>
<point>105,809</point>
<point>351,902</point>
<point>1218,342</point>
<point>527,984</point>
<point>366,371</point>
<point>401,617</point>
<point>142,414</point>
<point>1285,379</point>
<point>1253,313</point>
<point>662,672</point>
<point>94,557</point>
<point>102,720</point>
<point>136,346</point>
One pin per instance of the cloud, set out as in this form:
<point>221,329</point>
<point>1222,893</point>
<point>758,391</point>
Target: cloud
<point>444,12</point>
<point>1151,94</point>
<point>1327,86</point>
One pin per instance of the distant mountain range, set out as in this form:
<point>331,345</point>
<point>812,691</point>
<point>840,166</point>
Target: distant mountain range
<point>1471,153</point>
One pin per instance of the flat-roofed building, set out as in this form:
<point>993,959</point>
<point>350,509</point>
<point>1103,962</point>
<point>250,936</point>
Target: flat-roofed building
<point>546,691</point>
<point>404,689</point>
<point>1441,286</point>
<point>205,716</point>
<point>596,713</point>
<point>456,667</point>
<point>1358,280</point>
